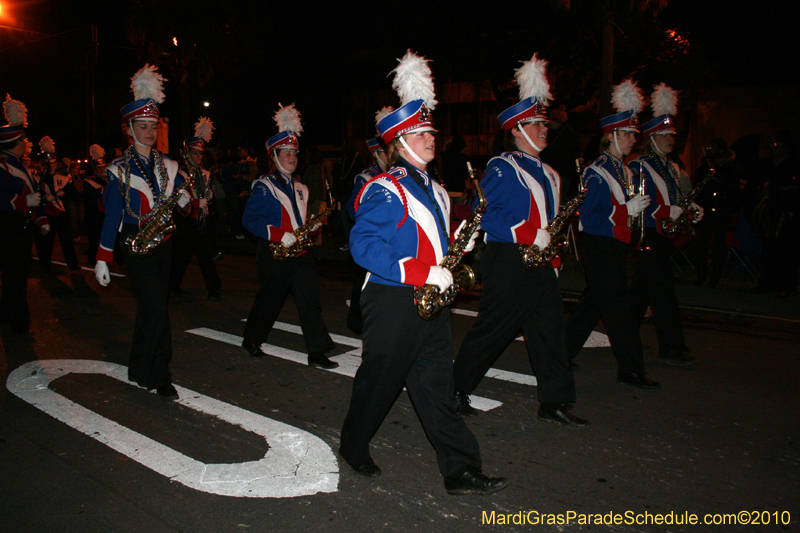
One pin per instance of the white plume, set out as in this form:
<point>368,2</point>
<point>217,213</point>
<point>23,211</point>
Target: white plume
<point>383,113</point>
<point>413,80</point>
<point>47,145</point>
<point>288,119</point>
<point>148,83</point>
<point>96,151</point>
<point>532,80</point>
<point>204,128</point>
<point>16,112</point>
<point>664,100</point>
<point>627,97</point>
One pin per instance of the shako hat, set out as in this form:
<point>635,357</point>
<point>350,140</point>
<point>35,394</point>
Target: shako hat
<point>627,101</point>
<point>534,95</point>
<point>413,82</point>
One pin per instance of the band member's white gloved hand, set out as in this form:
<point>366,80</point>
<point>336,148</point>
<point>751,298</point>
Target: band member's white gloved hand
<point>288,239</point>
<point>637,204</point>
<point>33,199</point>
<point>698,214</point>
<point>101,273</point>
<point>44,229</point>
<point>441,277</point>
<point>675,212</point>
<point>471,244</point>
<point>184,200</point>
<point>542,239</point>
<point>203,205</point>
<point>316,226</point>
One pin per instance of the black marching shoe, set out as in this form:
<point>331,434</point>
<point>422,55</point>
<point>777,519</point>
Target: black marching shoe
<point>677,357</point>
<point>640,381</point>
<point>254,349</point>
<point>167,392</point>
<point>367,469</point>
<point>318,360</point>
<point>464,407</point>
<point>559,414</point>
<point>473,482</point>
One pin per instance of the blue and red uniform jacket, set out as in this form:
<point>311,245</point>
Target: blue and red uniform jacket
<point>400,233</point>
<point>270,212</point>
<point>193,209</point>
<point>142,199</point>
<point>522,196</point>
<point>660,184</point>
<point>366,175</point>
<point>15,184</point>
<point>603,211</point>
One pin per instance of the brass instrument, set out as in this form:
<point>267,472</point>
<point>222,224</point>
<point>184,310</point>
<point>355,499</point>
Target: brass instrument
<point>672,227</point>
<point>429,300</point>
<point>159,223</point>
<point>532,257</point>
<point>639,223</point>
<point>303,233</point>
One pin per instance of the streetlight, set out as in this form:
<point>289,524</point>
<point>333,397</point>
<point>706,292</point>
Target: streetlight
<point>206,104</point>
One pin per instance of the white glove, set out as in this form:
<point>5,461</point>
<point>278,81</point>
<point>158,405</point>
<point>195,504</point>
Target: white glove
<point>675,212</point>
<point>184,200</point>
<point>637,204</point>
<point>542,239</point>
<point>288,239</point>
<point>44,229</point>
<point>101,273</point>
<point>33,199</point>
<point>471,244</point>
<point>204,205</point>
<point>315,227</point>
<point>439,276</point>
<point>699,213</point>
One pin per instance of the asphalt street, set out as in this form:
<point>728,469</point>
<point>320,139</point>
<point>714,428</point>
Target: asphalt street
<point>251,445</point>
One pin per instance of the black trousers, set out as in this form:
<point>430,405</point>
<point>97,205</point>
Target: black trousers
<point>276,279</point>
<point>94,227</point>
<point>15,258</point>
<point>654,285</point>
<point>59,225</point>
<point>190,239</point>
<point>513,299</point>
<point>401,348</point>
<point>354,319</point>
<point>151,350</point>
<point>606,296</point>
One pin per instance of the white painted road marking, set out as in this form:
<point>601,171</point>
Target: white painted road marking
<point>348,362</point>
<point>296,464</point>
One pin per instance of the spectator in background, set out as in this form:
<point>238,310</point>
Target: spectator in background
<point>74,199</point>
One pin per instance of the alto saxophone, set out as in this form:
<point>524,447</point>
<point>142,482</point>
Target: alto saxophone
<point>672,227</point>
<point>159,221</point>
<point>429,300</point>
<point>302,233</point>
<point>532,257</point>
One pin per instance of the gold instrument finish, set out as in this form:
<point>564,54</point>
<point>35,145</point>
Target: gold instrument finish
<point>639,219</point>
<point>303,233</point>
<point>429,300</point>
<point>672,227</point>
<point>532,257</point>
<point>159,221</point>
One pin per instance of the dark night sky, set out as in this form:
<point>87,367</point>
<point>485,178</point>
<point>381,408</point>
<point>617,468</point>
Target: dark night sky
<point>316,56</point>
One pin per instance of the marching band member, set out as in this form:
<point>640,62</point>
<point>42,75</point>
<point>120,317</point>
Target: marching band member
<point>604,219</point>
<point>193,234</point>
<point>400,236</point>
<point>54,187</point>
<point>95,211</point>
<point>379,165</point>
<point>139,183</point>
<point>276,208</point>
<point>522,196</point>
<point>19,214</point>
<point>653,283</point>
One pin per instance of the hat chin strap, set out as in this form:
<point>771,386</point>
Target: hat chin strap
<point>616,144</point>
<point>656,148</point>
<point>135,140</point>
<point>533,144</point>
<point>410,151</point>
<point>280,167</point>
